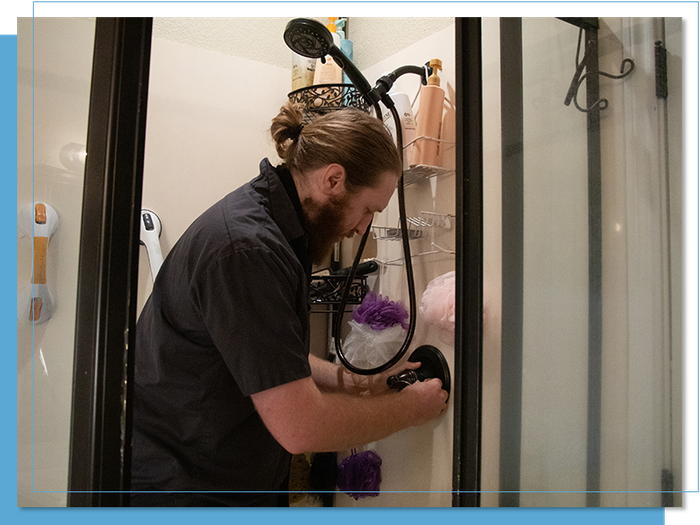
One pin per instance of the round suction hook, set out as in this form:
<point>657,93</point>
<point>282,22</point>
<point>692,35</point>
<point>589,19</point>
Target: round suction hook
<point>433,364</point>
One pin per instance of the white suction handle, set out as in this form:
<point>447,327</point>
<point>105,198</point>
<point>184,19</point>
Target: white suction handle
<point>150,233</point>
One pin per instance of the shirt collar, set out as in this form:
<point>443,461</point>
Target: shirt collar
<point>285,208</point>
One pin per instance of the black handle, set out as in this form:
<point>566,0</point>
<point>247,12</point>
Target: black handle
<point>432,364</point>
<point>362,268</point>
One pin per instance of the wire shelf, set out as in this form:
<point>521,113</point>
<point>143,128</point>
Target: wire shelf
<point>417,226</point>
<point>420,172</point>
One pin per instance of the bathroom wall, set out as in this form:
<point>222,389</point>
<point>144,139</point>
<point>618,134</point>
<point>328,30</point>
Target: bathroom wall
<point>54,63</point>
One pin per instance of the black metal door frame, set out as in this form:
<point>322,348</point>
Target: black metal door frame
<point>468,264</point>
<point>99,461</point>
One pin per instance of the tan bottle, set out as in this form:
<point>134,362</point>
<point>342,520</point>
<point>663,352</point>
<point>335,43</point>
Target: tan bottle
<point>327,71</point>
<point>429,119</point>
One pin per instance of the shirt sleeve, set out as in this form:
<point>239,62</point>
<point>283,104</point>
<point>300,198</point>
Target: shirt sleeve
<point>251,302</point>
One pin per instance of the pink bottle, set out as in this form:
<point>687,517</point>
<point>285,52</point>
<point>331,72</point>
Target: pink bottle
<point>429,119</point>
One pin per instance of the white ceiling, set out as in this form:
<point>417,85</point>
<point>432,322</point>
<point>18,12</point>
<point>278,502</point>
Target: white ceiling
<point>260,39</point>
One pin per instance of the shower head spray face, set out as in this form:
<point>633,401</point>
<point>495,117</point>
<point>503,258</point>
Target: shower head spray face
<point>310,38</point>
<point>307,37</point>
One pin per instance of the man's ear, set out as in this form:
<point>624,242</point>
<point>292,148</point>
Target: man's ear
<point>333,180</point>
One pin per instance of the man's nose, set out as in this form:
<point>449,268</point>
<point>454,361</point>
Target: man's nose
<point>362,226</point>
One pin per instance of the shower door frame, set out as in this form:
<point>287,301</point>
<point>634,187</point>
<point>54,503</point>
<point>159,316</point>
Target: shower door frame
<point>99,463</point>
<point>467,392</point>
<point>512,227</point>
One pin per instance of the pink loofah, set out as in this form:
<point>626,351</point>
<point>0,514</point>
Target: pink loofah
<point>438,305</point>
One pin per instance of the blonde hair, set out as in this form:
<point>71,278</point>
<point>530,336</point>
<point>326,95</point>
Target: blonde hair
<point>349,137</point>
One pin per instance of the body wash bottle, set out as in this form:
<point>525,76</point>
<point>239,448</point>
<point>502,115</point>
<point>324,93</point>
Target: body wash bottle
<point>327,71</point>
<point>429,119</point>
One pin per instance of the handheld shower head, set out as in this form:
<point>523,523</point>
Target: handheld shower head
<point>312,39</point>
<point>308,38</point>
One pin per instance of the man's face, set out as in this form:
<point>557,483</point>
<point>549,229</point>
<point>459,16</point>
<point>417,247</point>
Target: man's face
<point>331,221</point>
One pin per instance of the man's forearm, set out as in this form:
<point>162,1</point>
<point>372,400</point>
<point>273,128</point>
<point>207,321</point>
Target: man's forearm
<point>330,377</point>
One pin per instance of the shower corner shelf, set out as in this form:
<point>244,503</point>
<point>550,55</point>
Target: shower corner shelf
<point>390,233</point>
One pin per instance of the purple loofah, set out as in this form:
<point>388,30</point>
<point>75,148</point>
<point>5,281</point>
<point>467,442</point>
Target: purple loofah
<point>380,313</point>
<point>359,475</point>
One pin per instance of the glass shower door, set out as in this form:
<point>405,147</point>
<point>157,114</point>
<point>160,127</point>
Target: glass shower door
<point>589,389</point>
<point>54,67</point>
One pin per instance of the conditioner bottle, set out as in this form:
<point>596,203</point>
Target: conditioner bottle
<point>429,119</point>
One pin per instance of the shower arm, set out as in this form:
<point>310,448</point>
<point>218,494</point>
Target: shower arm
<point>381,89</point>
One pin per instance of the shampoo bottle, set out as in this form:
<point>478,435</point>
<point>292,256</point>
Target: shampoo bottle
<point>327,71</point>
<point>408,125</point>
<point>429,119</point>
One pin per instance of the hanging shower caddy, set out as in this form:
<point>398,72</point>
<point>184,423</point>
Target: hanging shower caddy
<point>320,99</point>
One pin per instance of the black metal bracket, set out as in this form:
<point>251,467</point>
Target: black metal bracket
<point>579,76</point>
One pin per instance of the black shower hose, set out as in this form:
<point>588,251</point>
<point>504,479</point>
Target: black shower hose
<point>409,271</point>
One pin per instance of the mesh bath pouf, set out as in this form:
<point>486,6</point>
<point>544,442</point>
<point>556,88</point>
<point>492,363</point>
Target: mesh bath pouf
<point>359,475</point>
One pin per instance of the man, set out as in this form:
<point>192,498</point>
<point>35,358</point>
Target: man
<point>225,389</point>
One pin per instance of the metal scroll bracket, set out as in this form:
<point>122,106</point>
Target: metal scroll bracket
<point>579,76</point>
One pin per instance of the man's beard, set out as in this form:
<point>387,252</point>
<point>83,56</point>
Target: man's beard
<point>323,225</point>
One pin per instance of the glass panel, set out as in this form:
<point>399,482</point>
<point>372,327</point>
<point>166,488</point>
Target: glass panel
<point>587,238</point>
<point>555,267</point>
<point>54,71</point>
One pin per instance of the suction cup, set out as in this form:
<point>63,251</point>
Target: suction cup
<point>433,364</point>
